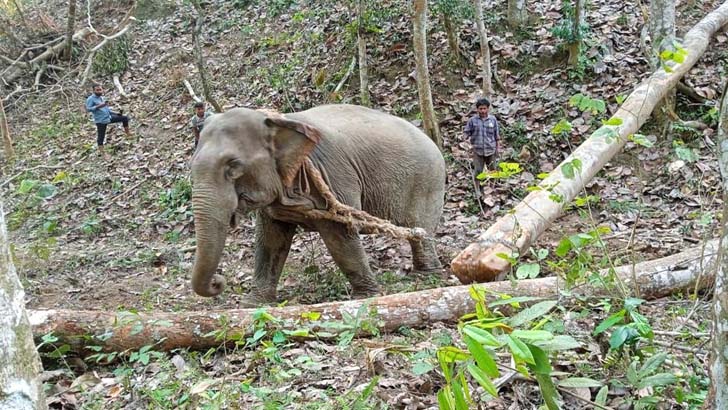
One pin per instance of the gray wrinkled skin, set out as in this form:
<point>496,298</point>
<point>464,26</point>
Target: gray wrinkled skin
<point>370,160</point>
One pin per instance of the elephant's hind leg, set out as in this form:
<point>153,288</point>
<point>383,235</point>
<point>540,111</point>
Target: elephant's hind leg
<point>349,255</point>
<point>424,256</point>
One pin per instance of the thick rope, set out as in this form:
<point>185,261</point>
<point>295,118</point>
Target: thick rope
<point>356,219</point>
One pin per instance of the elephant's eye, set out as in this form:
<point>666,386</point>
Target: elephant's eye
<point>235,169</point>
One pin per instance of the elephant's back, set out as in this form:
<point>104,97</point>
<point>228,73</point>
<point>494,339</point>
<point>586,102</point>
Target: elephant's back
<point>379,162</point>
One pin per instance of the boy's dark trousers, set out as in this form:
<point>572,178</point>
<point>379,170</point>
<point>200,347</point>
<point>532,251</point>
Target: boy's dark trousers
<point>101,128</point>
<point>479,162</point>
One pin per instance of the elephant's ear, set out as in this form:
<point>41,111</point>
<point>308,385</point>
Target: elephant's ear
<point>292,141</point>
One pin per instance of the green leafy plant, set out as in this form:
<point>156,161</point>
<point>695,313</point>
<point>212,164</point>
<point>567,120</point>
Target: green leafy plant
<point>629,325</point>
<point>485,332</point>
<point>586,103</point>
<point>577,263</point>
<point>507,170</point>
<point>684,152</point>
<point>175,202</point>
<point>365,320</point>
<point>114,57</point>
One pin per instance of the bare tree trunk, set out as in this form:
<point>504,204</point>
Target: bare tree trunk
<point>362,42</point>
<point>452,40</point>
<point>517,13</point>
<point>484,49</point>
<point>69,28</point>
<point>480,261</point>
<point>20,388</point>
<point>662,33</point>
<point>575,45</point>
<point>196,33</point>
<point>427,108</point>
<point>691,269</point>
<point>718,396</point>
<point>5,133</point>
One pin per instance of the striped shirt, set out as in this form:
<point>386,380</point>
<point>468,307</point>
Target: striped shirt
<point>483,134</point>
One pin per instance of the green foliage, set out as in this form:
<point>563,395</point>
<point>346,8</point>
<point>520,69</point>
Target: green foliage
<point>684,152</point>
<point>113,58</point>
<point>676,55</point>
<point>562,127</point>
<point>175,202</point>
<point>456,9</point>
<point>586,103</point>
<point>629,325</point>
<point>364,321</point>
<point>571,168</point>
<point>507,170</point>
<point>278,7</point>
<point>486,332</point>
<point>578,263</point>
<point>91,226</point>
<point>564,29</point>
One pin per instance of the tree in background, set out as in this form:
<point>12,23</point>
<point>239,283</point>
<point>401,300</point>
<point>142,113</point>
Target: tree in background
<point>718,394</point>
<point>20,387</point>
<point>453,12</point>
<point>70,26</point>
<point>662,32</point>
<point>196,33</point>
<point>427,108</point>
<point>486,72</point>
<point>572,28</point>
<point>361,32</point>
<point>517,13</point>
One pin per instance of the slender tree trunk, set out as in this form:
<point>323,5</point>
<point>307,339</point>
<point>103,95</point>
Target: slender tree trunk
<point>662,33</point>
<point>575,45</point>
<point>452,40</point>
<point>20,388</point>
<point>21,14</point>
<point>427,108</point>
<point>362,42</point>
<point>517,13</point>
<point>5,133</point>
<point>69,28</point>
<point>718,396</point>
<point>484,49</point>
<point>521,226</point>
<point>196,33</point>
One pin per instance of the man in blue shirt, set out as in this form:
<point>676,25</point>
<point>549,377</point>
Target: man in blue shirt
<point>103,116</point>
<point>484,135</point>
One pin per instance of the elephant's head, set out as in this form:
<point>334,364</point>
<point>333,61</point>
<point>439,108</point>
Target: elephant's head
<point>244,161</point>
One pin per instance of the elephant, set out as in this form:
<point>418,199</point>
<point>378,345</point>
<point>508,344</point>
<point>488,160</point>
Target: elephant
<point>248,160</point>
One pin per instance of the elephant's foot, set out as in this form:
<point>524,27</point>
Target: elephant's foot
<point>365,293</point>
<point>256,298</point>
<point>426,266</point>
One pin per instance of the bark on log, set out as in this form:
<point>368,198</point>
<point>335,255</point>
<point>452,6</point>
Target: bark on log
<point>20,387</point>
<point>16,72</point>
<point>519,228</point>
<point>173,330</point>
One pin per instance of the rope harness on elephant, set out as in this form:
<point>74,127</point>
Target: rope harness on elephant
<point>356,219</point>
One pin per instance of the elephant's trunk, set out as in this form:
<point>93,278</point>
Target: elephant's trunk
<point>210,230</point>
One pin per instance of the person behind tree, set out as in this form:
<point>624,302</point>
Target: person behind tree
<point>198,120</point>
<point>103,116</point>
<point>484,134</point>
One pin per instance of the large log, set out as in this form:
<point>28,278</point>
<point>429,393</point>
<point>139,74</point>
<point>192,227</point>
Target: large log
<point>518,229</point>
<point>126,331</point>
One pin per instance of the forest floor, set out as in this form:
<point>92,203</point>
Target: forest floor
<point>118,234</point>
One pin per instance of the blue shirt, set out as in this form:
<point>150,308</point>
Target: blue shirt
<point>101,115</point>
<point>483,133</point>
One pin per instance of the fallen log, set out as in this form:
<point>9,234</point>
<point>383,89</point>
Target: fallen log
<point>121,331</point>
<point>15,71</point>
<point>518,229</point>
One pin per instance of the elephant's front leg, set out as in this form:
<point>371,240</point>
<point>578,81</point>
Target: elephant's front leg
<point>349,255</point>
<point>272,242</point>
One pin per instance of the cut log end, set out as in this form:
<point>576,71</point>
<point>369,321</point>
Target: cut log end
<point>480,263</point>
